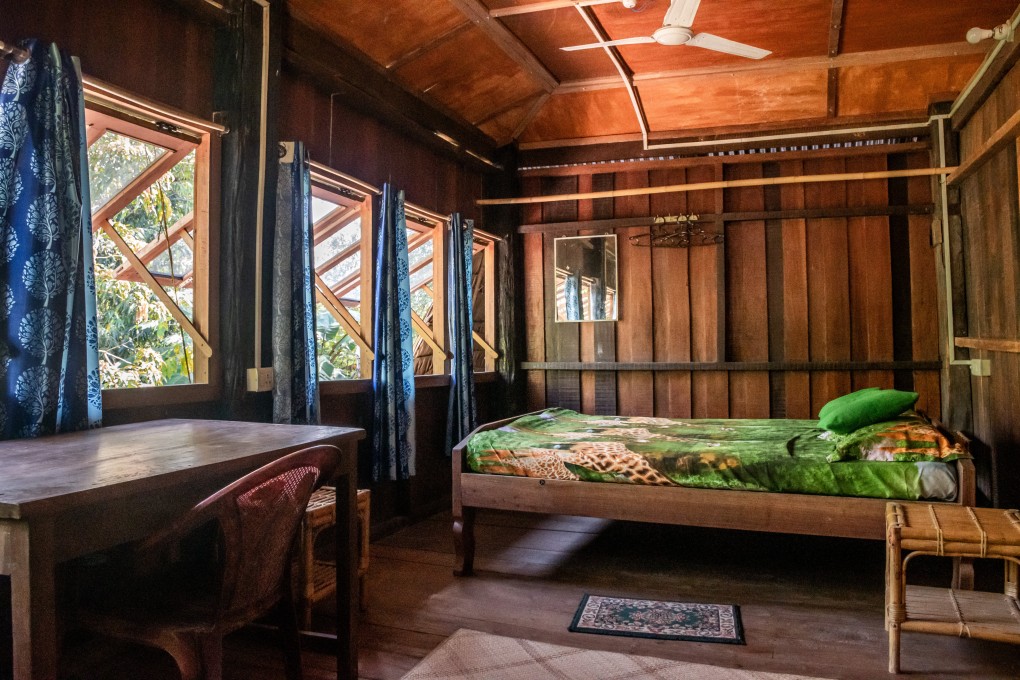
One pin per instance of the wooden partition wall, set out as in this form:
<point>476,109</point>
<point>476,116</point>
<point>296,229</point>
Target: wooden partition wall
<point>816,290</point>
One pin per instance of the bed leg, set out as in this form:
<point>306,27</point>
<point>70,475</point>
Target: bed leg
<point>464,542</point>
<point>963,573</point>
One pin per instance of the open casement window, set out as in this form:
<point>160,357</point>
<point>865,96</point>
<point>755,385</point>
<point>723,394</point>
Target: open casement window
<point>150,184</point>
<point>342,233</point>
<point>342,229</point>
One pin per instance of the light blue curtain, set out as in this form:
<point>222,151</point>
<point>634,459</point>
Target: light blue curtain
<point>393,365</point>
<point>49,358</point>
<point>572,296</point>
<point>295,369</point>
<point>462,416</point>
<point>598,300</point>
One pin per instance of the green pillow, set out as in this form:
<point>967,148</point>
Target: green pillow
<point>864,407</point>
<point>845,400</point>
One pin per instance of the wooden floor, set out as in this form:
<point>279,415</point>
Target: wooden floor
<point>810,606</point>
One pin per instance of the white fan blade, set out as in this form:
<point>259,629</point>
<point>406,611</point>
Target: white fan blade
<point>681,13</point>
<point>610,43</point>
<point>714,42</point>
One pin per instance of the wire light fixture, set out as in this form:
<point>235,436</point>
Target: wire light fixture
<point>676,231</point>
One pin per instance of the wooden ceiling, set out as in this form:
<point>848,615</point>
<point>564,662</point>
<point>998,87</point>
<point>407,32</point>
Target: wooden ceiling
<point>833,63</point>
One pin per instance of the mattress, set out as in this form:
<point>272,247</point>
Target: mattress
<point>784,456</point>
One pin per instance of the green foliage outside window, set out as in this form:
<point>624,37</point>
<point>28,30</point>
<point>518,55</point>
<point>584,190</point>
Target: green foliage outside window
<point>140,343</point>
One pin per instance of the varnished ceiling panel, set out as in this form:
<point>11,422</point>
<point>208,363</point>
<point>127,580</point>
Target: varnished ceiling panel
<point>744,99</point>
<point>470,75</point>
<point>583,114</point>
<point>385,31</point>
<point>902,88</point>
<point>897,56</point>
<point>885,24</point>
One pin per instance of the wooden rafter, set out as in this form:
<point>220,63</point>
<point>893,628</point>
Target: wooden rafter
<point>625,73</point>
<point>530,115</point>
<point>835,41</point>
<point>438,41</point>
<point>477,13</point>
<point>197,338</point>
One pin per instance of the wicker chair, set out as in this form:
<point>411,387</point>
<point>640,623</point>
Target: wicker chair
<point>186,609</point>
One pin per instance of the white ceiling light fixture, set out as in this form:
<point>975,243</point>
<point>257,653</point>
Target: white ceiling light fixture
<point>1003,32</point>
<point>676,30</point>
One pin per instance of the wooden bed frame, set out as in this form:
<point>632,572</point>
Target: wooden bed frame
<point>721,509</point>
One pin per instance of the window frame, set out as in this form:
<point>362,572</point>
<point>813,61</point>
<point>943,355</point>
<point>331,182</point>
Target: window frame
<point>329,184</point>
<point>109,108</point>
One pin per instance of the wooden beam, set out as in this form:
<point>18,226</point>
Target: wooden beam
<point>139,184</point>
<point>749,216</point>
<point>999,140</point>
<point>781,66</point>
<point>478,14</point>
<point>731,365</point>
<point>517,103</point>
<point>197,339</point>
<point>154,249</point>
<point>489,278</point>
<point>722,184</point>
<point>334,222</point>
<point>426,334</point>
<point>490,354</point>
<point>367,289</point>
<point>530,116</point>
<point>973,97</point>
<point>835,40</point>
<point>544,6</point>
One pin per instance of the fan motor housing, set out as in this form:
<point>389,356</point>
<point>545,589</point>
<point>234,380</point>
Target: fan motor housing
<point>673,35</point>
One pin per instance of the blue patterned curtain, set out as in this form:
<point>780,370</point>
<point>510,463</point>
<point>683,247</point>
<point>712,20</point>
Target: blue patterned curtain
<point>598,300</point>
<point>462,416</point>
<point>296,383</point>
<point>49,360</point>
<point>393,366</point>
<point>572,296</point>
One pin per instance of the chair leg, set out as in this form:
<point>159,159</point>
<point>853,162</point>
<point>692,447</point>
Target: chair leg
<point>291,639</point>
<point>212,656</point>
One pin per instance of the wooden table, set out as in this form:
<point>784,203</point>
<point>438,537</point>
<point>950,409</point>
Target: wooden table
<point>69,495</point>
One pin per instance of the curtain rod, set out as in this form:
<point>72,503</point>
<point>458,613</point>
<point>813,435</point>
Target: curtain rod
<point>15,54</point>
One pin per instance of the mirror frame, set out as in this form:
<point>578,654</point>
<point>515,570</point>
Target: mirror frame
<point>616,248</point>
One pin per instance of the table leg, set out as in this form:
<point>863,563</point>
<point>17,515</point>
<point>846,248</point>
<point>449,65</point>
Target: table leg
<point>33,597</point>
<point>347,590</point>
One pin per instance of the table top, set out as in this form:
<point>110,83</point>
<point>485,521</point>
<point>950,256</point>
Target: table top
<point>49,474</point>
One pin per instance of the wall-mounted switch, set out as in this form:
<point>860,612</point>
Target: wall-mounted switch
<point>260,379</point>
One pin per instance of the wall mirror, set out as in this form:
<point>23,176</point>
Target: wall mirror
<point>586,282</point>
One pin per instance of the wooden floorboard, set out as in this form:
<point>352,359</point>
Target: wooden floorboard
<point>810,606</point>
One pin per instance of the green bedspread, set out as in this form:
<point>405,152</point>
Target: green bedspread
<point>788,456</point>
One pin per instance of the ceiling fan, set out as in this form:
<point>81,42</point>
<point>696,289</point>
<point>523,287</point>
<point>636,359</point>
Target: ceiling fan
<point>676,30</point>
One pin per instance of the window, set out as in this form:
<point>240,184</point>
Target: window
<point>342,232</point>
<point>149,186</point>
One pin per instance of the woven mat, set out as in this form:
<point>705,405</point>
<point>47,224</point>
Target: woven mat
<point>470,655</point>
<point>659,619</point>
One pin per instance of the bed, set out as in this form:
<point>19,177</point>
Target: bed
<point>780,476</point>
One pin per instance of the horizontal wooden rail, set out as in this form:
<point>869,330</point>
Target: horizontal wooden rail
<point>752,216</point>
<point>990,344</point>
<point>999,140</point>
<point>731,366</point>
<point>722,184</point>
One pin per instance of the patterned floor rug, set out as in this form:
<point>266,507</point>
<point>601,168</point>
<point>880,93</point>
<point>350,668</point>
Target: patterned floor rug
<point>470,655</point>
<point>659,619</point>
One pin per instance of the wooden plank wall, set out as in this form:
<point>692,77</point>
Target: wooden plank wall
<point>991,250</point>
<point>819,290</point>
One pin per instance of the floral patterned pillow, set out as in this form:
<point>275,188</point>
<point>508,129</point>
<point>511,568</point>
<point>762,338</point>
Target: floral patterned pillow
<point>908,439</point>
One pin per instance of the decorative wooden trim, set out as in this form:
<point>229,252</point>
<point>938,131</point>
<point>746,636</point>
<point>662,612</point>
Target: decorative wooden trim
<point>731,366</point>
<point>999,140</point>
<point>808,213</point>
<point>722,184</point>
<point>990,344</point>
<point>640,164</point>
